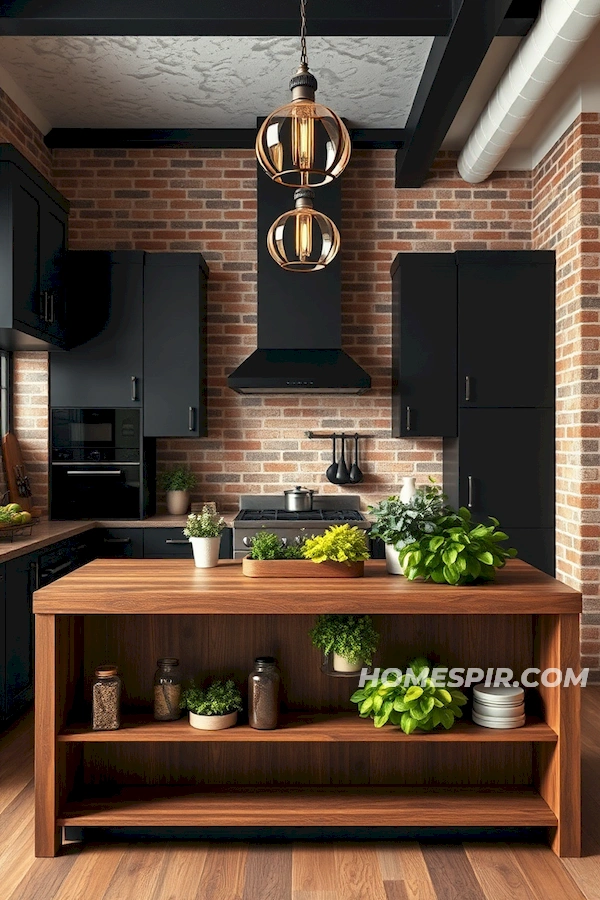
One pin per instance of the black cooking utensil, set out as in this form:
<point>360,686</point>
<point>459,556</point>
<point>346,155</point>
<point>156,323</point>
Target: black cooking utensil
<point>342,475</point>
<point>331,472</point>
<point>356,475</point>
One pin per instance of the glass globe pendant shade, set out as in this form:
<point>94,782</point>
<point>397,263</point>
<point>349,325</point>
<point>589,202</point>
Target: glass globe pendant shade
<point>303,239</point>
<point>303,144</point>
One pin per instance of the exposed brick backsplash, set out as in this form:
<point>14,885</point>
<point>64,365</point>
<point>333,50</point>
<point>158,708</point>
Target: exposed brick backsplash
<point>205,200</point>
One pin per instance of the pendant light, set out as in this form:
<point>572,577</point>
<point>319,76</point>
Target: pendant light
<point>303,239</point>
<point>303,144</point>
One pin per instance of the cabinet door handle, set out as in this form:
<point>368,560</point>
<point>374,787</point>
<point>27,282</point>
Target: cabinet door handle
<point>191,418</point>
<point>408,418</point>
<point>56,569</point>
<point>134,391</point>
<point>116,540</point>
<point>94,472</point>
<point>51,305</point>
<point>44,305</point>
<point>34,569</point>
<point>470,491</point>
<point>467,387</point>
<point>171,541</point>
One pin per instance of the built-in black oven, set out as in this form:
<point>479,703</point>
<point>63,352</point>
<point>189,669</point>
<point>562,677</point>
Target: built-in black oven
<point>97,468</point>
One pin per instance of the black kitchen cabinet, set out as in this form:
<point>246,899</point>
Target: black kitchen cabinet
<point>106,370</point>
<point>121,543</point>
<point>536,546</point>
<point>169,543</point>
<point>2,643</point>
<point>174,345</point>
<point>424,302</point>
<point>33,239</point>
<point>506,328</point>
<point>21,581</point>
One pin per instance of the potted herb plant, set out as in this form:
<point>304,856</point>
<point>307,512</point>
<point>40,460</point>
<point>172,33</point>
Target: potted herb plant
<point>204,532</point>
<point>460,552</point>
<point>177,483</point>
<point>214,707</point>
<point>410,705</point>
<point>351,639</point>
<point>340,553</point>
<point>399,523</point>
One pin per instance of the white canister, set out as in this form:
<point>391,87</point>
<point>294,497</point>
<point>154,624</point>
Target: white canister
<point>392,562</point>
<point>206,551</point>
<point>408,489</point>
<point>342,665</point>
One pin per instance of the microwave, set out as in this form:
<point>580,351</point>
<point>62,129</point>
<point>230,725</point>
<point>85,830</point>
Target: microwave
<point>96,435</point>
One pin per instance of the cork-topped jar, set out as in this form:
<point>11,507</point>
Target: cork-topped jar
<point>167,689</point>
<point>106,699</point>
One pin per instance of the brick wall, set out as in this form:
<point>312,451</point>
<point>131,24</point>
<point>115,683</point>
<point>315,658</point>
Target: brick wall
<point>205,200</point>
<point>17,129</point>
<point>566,218</point>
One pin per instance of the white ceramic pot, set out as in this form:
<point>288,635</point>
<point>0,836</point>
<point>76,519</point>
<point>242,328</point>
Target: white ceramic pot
<point>178,502</point>
<point>408,489</point>
<point>342,665</point>
<point>206,551</point>
<point>213,723</point>
<point>392,563</point>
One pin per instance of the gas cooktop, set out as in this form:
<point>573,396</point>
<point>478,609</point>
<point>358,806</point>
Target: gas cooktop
<point>309,515</point>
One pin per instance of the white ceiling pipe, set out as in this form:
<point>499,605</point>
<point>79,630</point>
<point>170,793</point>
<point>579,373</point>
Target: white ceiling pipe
<point>552,42</point>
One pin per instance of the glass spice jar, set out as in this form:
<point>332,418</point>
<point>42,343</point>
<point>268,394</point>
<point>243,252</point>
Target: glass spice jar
<point>167,689</point>
<point>106,699</point>
<point>263,693</point>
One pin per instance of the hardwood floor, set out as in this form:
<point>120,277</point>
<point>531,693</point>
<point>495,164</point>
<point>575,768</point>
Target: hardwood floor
<point>283,871</point>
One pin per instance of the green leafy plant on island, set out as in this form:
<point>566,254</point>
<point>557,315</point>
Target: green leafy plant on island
<point>266,545</point>
<point>400,523</point>
<point>340,543</point>
<point>407,705</point>
<point>205,524</point>
<point>352,637</point>
<point>460,552</point>
<point>177,479</point>
<point>218,699</point>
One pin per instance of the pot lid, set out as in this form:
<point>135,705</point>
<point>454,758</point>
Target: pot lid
<point>298,490</point>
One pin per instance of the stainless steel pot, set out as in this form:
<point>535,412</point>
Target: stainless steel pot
<point>298,500</point>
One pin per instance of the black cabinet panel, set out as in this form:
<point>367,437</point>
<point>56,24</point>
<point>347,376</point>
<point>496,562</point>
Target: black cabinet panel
<point>166,543</point>
<point>506,327</point>
<point>2,643</point>
<point>21,577</point>
<point>506,465</point>
<point>53,245</point>
<point>424,308</point>
<point>174,345</point>
<point>106,371</point>
<point>121,543</point>
<point>26,248</point>
<point>535,546</point>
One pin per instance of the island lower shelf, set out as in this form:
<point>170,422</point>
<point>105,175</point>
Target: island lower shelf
<point>313,806</point>
<point>324,728</point>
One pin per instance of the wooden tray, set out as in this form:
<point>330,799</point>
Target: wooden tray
<point>300,568</point>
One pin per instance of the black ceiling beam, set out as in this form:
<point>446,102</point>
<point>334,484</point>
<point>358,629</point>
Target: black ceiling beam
<point>451,66</point>
<point>197,138</point>
<point>215,17</point>
<point>519,18</point>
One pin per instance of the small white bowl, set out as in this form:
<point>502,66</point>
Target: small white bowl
<point>213,723</point>
<point>499,712</point>
<point>499,696</point>
<point>488,722</point>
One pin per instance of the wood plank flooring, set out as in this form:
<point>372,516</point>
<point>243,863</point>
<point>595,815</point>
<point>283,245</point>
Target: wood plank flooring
<point>274,870</point>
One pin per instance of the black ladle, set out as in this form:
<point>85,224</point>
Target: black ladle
<point>356,475</point>
<point>342,475</point>
<point>331,472</point>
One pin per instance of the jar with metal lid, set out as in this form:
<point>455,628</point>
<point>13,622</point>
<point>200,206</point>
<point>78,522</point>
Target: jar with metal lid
<point>263,694</point>
<point>167,689</point>
<point>106,699</point>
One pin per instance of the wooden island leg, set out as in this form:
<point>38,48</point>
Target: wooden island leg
<point>558,766</point>
<point>47,834</point>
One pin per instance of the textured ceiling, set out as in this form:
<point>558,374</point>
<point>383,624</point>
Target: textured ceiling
<point>209,82</point>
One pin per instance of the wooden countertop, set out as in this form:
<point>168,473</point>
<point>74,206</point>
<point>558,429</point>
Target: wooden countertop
<point>164,586</point>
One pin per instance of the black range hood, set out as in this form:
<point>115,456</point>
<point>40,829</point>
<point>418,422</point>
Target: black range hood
<point>299,315</point>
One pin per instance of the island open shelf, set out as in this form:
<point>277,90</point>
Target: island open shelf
<point>324,765</point>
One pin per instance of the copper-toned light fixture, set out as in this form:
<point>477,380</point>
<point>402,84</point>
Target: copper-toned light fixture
<point>303,239</point>
<point>303,144</point>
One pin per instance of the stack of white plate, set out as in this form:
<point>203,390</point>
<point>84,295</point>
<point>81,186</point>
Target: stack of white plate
<point>499,707</point>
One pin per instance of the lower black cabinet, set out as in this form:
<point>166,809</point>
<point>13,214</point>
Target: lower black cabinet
<point>166,543</point>
<point>121,543</point>
<point>535,546</point>
<point>21,581</point>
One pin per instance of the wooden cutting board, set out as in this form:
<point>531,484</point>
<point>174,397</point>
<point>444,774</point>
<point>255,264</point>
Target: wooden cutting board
<point>16,475</point>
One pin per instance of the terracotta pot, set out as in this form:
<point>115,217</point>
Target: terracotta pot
<point>206,551</point>
<point>342,665</point>
<point>213,723</point>
<point>178,502</point>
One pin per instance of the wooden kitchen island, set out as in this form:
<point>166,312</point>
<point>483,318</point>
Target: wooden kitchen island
<point>324,766</point>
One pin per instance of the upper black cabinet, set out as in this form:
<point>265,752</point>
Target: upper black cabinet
<point>506,328</point>
<point>174,345</point>
<point>105,295</point>
<point>33,237</point>
<point>424,345</point>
